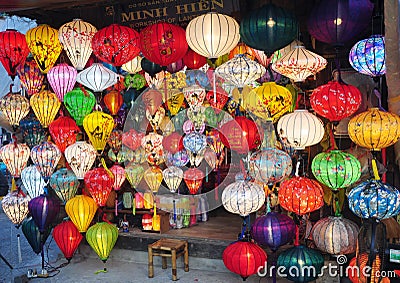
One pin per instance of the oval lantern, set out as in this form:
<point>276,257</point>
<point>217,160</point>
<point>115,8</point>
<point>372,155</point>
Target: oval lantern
<point>97,77</point>
<point>212,35</point>
<point>153,177</point>
<point>374,199</point>
<point>45,105</point>
<point>63,131</point>
<point>30,76</point>
<point>244,258</point>
<point>45,157</point>
<point>300,129</point>
<point>15,156</point>
<point>79,103</point>
<point>301,195</point>
<point>64,183</point>
<point>98,126</point>
<point>81,210</point>
<point>193,178</point>
<point>44,210</point>
<point>102,237</point>
<point>374,129</point>
<point>133,66</point>
<point>33,181</point>
<point>32,131</point>
<point>335,100</point>
<point>335,235</point>
<point>134,174</point>
<point>116,44</point>
<point>44,45</point>
<point>67,238</point>
<point>15,206</point>
<point>76,38</point>
<point>243,197</point>
<point>336,169</point>
<point>273,230</point>
<point>100,184</point>
<point>119,176</point>
<point>62,79</point>
<point>80,157</point>
<point>14,107</point>
<point>150,67</point>
<point>173,176</point>
<point>193,60</point>
<point>35,238</point>
<point>113,100</point>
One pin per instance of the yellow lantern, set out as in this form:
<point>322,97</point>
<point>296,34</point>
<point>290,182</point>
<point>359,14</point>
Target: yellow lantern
<point>102,237</point>
<point>98,126</point>
<point>81,210</point>
<point>45,104</point>
<point>44,45</point>
<point>153,177</point>
<point>374,129</point>
<point>15,107</point>
<point>175,101</point>
<point>15,156</point>
<point>148,200</point>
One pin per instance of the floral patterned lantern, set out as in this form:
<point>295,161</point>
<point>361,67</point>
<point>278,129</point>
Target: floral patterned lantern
<point>218,99</point>
<point>173,176</point>
<point>119,176</point>
<point>195,142</point>
<point>173,142</point>
<point>80,157</point>
<point>63,131</point>
<point>62,79</point>
<point>15,156</point>
<point>33,181</point>
<point>98,126</point>
<point>44,210</point>
<point>14,107</point>
<point>193,60</point>
<point>194,95</point>
<point>64,183</point>
<point>99,182</point>
<point>30,76</point>
<point>32,132</point>
<point>193,178</point>
<point>45,104</point>
<point>133,66</point>
<point>67,238</point>
<point>97,77</point>
<point>79,103</point>
<point>45,157</point>
<point>81,210</point>
<point>15,206</point>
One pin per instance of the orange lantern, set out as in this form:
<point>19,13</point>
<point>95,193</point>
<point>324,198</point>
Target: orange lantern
<point>45,104</point>
<point>113,100</point>
<point>81,210</point>
<point>193,178</point>
<point>242,48</point>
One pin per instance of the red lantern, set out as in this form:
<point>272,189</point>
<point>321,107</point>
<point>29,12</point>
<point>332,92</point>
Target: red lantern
<point>113,100</point>
<point>63,131</point>
<point>132,139</point>
<point>301,195</point>
<point>163,43</point>
<point>173,142</point>
<point>67,238</point>
<point>116,44</point>
<point>147,222</point>
<point>193,178</point>
<point>31,77</point>
<point>152,98</point>
<point>193,60</point>
<point>221,97</point>
<point>100,184</point>
<point>244,258</point>
<point>240,135</point>
<point>335,100</point>
<point>13,50</point>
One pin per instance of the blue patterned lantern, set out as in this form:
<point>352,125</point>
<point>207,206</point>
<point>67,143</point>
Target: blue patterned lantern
<point>374,199</point>
<point>44,210</point>
<point>368,56</point>
<point>32,131</point>
<point>195,142</point>
<point>65,183</point>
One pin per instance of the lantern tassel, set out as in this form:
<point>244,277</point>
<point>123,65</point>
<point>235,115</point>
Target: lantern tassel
<point>103,163</point>
<point>296,240</point>
<point>19,248</point>
<point>375,169</point>
<point>134,207</point>
<point>13,185</point>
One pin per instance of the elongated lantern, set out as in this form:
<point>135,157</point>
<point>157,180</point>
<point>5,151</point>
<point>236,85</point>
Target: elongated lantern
<point>63,131</point>
<point>99,183</point>
<point>80,157</point>
<point>62,79</point>
<point>14,107</point>
<point>67,238</point>
<point>98,126</point>
<point>64,183</point>
<point>45,104</point>
<point>15,156</point>
<point>81,210</point>
<point>33,181</point>
<point>45,157</point>
<point>79,103</point>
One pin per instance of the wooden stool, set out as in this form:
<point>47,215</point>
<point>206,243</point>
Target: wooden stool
<point>168,248</point>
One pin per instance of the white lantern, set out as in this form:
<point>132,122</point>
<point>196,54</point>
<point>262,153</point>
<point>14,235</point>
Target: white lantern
<point>33,181</point>
<point>173,176</point>
<point>15,156</point>
<point>80,157</point>
<point>97,77</point>
<point>76,37</point>
<point>133,66</point>
<point>15,205</point>
<point>212,34</point>
<point>300,129</point>
<point>243,197</point>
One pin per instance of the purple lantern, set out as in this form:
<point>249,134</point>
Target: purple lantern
<point>44,210</point>
<point>176,66</point>
<point>273,230</point>
<point>338,21</point>
<point>62,79</point>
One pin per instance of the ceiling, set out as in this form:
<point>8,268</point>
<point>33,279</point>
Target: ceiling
<point>24,5</point>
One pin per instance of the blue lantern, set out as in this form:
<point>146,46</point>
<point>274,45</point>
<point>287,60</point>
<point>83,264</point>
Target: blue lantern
<point>44,210</point>
<point>64,183</point>
<point>195,142</point>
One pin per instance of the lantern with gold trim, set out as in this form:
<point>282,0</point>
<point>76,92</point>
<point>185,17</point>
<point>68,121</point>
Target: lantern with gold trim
<point>99,182</point>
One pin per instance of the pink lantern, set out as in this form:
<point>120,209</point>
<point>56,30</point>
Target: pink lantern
<point>119,176</point>
<point>45,157</point>
<point>15,156</point>
<point>62,79</point>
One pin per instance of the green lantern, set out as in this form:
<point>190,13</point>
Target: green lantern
<point>336,169</point>
<point>79,103</point>
<point>102,237</point>
<point>136,81</point>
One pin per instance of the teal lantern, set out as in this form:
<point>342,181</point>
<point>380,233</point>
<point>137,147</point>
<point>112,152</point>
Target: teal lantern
<point>32,131</point>
<point>79,103</point>
<point>268,28</point>
<point>65,184</point>
<point>33,235</point>
<point>336,169</point>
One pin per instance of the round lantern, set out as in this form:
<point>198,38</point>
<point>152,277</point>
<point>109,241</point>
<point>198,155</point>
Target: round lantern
<point>119,176</point>
<point>336,169</point>
<point>153,177</point>
<point>244,258</point>
<point>268,28</point>
<point>242,48</point>
<point>45,105</point>
<point>15,156</point>
<point>67,238</point>
<point>45,157</point>
<point>173,177</point>
<point>243,197</point>
<point>30,76</point>
<point>116,44</point>
<point>81,210</point>
<point>14,107</point>
<point>335,235</point>
<point>64,183</point>
<point>44,45</point>
<point>99,183</point>
<point>15,206</point>
<point>193,178</point>
<point>368,56</point>
<point>98,126</point>
<point>79,103</point>
<point>62,79</point>
<point>335,100</point>
<point>133,66</point>
<point>80,157</point>
<point>134,174</point>
<point>33,235</point>
<point>374,129</point>
<point>97,77</point>
<point>374,199</point>
<point>212,34</point>
<point>301,195</point>
<point>33,181</point>
<point>193,60</point>
<point>337,22</point>
<point>300,264</point>
<point>44,210</point>
<point>76,38</point>
<point>63,131</point>
<point>300,129</point>
<point>102,237</point>
<point>273,230</point>
<point>13,50</point>
<point>113,100</point>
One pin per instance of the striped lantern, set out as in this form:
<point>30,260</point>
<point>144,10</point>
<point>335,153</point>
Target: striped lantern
<point>33,181</point>
<point>79,103</point>
<point>97,77</point>
<point>62,79</point>
<point>45,105</point>
<point>63,131</point>
<point>133,66</point>
<point>81,210</point>
<point>14,107</point>
<point>30,76</point>
<point>102,237</point>
<point>67,238</point>
<point>80,157</point>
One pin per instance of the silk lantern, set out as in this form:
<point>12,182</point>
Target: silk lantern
<point>45,105</point>
<point>113,100</point>
<point>244,258</point>
<point>301,195</point>
<point>243,197</point>
<point>134,174</point>
<point>115,140</point>
<point>62,79</point>
<point>33,235</point>
<point>14,107</point>
<point>30,76</point>
<point>116,44</point>
<point>194,142</point>
<point>44,45</point>
<point>218,99</point>
<point>119,176</point>
<point>102,237</point>
<point>64,183</point>
<point>193,178</point>
<point>44,210</point>
<point>13,50</point>
<point>193,60</point>
<point>212,35</point>
<point>99,183</point>
<point>97,77</point>
<point>173,142</point>
<point>335,100</point>
<point>150,67</point>
<point>80,157</point>
<point>176,66</point>
<point>300,129</point>
<point>33,181</point>
<point>132,139</point>
<point>32,132</point>
<point>81,210</point>
<point>63,131</point>
<point>98,126</point>
<point>335,235</point>
<point>79,103</point>
<point>242,48</point>
<point>45,157</point>
<point>194,95</point>
<point>15,206</point>
<point>133,66</point>
<point>76,38</point>
<point>173,176</point>
<point>214,142</point>
<point>15,156</point>
<point>163,43</point>
<point>67,238</point>
<point>153,177</point>
<point>374,129</point>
